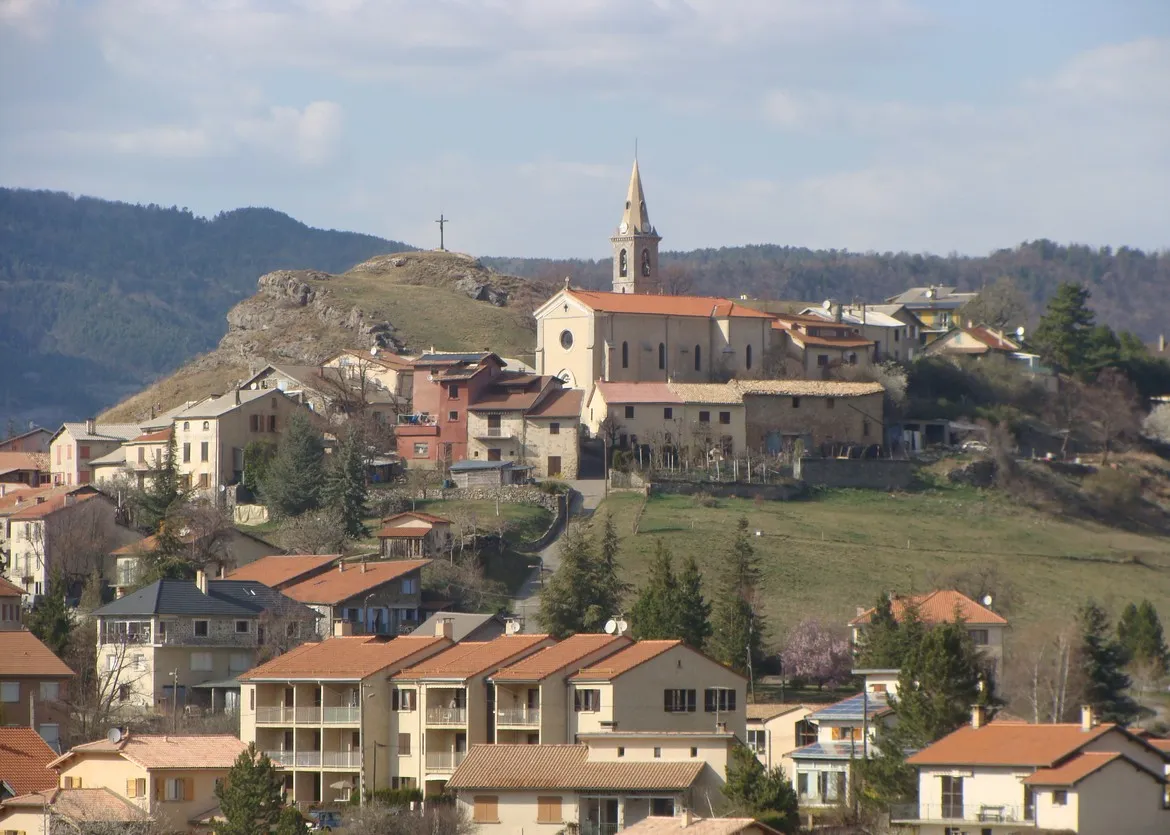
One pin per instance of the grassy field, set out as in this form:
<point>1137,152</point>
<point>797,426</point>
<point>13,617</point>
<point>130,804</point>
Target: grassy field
<point>825,556</point>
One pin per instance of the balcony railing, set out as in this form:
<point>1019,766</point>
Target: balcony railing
<point>446,716</point>
<point>495,432</point>
<point>342,715</point>
<point>341,759</point>
<point>444,760</point>
<point>187,638</point>
<point>973,813</point>
<point>297,759</point>
<point>518,716</point>
<point>274,715</point>
<point>307,715</point>
<point>591,828</point>
<point>421,419</point>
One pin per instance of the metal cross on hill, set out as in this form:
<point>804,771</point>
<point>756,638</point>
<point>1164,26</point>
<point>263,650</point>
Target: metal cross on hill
<point>442,221</point>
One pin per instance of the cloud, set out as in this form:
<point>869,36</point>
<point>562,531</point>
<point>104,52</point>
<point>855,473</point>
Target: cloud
<point>31,18</point>
<point>310,135</point>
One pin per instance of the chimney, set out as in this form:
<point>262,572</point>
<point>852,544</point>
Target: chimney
<point>237,397</point>
<point>363,566</point>
<point>342,628</point>
<point>837,312</point>
<point>1087,718</point>
<point>445,628</point>
<point>341,565</point>
<point>90,426</point>
<point>201,580</point>
<point>978,716</point>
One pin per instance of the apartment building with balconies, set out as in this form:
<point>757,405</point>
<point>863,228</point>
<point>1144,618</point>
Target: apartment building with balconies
<point>446,704</point>
<point>323,713</point>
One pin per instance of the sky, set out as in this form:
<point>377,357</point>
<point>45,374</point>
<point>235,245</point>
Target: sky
<point>945,126</point>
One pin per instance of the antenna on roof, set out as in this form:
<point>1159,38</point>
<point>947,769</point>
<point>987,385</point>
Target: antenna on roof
<point>114,736</point>
<point>611,627</point>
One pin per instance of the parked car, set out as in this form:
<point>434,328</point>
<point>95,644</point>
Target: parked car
<point>324,820</point>
<point>974,446</point>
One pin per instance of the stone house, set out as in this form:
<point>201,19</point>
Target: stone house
<point>382,597</point>
<point>669,416</point>
<point>414,534</point>
<point>811,346</point>
<point>529,420</point>
<point>825,415</point>
<point>75,445</point>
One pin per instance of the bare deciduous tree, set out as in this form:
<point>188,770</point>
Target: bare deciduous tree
<point>313,532</point>
<point>434,819</point>
<point>676,280</point>
<point>1108,409</point>
<point>1000,305</point>
<point>1044,680</point>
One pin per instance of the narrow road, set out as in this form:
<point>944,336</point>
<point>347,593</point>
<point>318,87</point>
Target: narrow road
<point>587,495</point>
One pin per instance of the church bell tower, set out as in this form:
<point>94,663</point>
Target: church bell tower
<point>635,246</point>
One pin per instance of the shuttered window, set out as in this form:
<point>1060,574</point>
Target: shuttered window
<point>548,810</point>
<point>487,808</point>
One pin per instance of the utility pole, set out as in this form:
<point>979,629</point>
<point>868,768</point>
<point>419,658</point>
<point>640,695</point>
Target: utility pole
<point>442,221</point>
<point>174,702</point>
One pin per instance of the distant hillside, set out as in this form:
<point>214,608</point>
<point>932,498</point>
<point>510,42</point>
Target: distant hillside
<point>1128,285</point>
<point>97,298</point>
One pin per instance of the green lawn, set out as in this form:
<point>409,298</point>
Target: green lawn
<point>825,556</point>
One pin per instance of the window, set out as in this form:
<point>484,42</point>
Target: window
<point>704,417</point>
<point>668,413</point>
<point>566,339</point>
<point>452,417</point>
<point>201,628</point>
<point>1029,803</point>
<point>421,450</point>
<point>71,782</point>
<point>136,787</point>
<point>254,423</point>
<point>403,699</point>
<point>111,663</point>
<point>747,357</point>
<point>698,358</point>
<point>408,586</point>
<point>453,391</point>
<point>978,637</point>
<point>678,701</point>
<point>718,699</point>
<point>1059,797</point>
<point>621,751</point>
<point>10,691</point>
<point>822,360</point>
<point>865,429</point>
<point>846,733</point>
<point>646,262</point>
<point>206,425</point>
<point>662,807</point>
<point>201,661</point>
<point>238,662</point>
<point>123,692</point>
<point>952,796</point>
<point>204,480</point>
<point>757,740</point>
<point>896,334</point>
<point>802,784</point>
<point>586,701</point>
<point>251,698</point>
<point>657,753</point>
<point>243,626</point>
<point>625,355</point>
<point>50,691</point>
<point>796,402</point>
<point>175,789</point>
<point>404,745</point>
<point>141,455</point>
<point>629,411</point>
<point>725,418</point>
<point>694,752</point>
<point>272,423</point>
<point>186,425</point>
<point>204,448</point>
<point>830,402</point>
<point>486,809</point>
<point>623,267</point>
<point>186,453</point>
<point>139,662</point>
<point>548,810</point>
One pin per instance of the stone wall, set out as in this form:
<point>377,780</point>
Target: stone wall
<point>865,473</point>
<point>513,494</point>
<point>739,490</point>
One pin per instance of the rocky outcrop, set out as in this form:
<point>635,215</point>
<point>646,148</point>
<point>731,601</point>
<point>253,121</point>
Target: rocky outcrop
<point>481,291</point>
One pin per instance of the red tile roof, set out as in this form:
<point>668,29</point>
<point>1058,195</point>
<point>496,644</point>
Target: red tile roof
<point>625,660</point>
<point>940,606</point>
<point>701,306</point>
<point>565,403</point>
<point>993,340</point>
<point>1159,743</point>
<point>154,751</point>
<point>527,767</point>
<point>763,711</point>
<point>560,657</point>
<point>152,437</point>
<point>1073,771</point>
<point>280,570</point>
<point>350,657</point>
<point>51,504</point>
<point>22,654</point>
<point>80,805</point>
<point>37,462</point>
<point>16,499</point>
<point>8,589</point>
<point>337,585</point>
<point>469,659</point>
<point>1009,744</point>
<point>24,760</point>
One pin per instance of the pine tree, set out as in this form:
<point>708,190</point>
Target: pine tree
<point>610,545</point>
<point>1139,631</point>
<point>656,613</point>
<point>887,641</point>
<point>694,612</point>
<point>345,483</point>
<point>765,794</point>
<point>291,822</point>
<point>1064,332</point>
<point>1103,660</point>
<point>163,490</point>
<point>50,619</point>
<point>735,627</point>
<point>252,796</point>
<point>292,482</point>
<point>579,596</point>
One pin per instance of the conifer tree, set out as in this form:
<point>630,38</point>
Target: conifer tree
<point>1103,660</point>
<point>765,794</point>
<point>92,593</point>
<point>735,627</point>
<point>292,481</point>
<point>163,489</point>
<point>610,545</point>
<point>656,613</point>
<point>694,612</point>
<point>1064,333</point>
<point>1139,631</point>
<point>887,641</point>
<point>50,619</point>
<point>252,796</point>
<point>291,822</point>
<point>579,596</point>
<point>345,483</point>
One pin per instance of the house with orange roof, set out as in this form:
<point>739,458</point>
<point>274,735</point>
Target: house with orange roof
<point>530,696</point>
<point>775,730</point>
<point>33,681</point>
<point>380,597</point>
<point>1002,777</point>
<point>279,571</point>
<point>324,713</point>
<point>218,551</point>
<point>170,778</point>
<point>443,705</point>
<point>413,534</point>
<point>986,627</point>
<point>527,420</point>
<point>67,810</point>
<point>30,468</point>
<point>812,347</point>
<point>24,763</point>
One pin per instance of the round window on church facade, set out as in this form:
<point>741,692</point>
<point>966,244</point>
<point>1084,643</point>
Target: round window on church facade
<point>566,339</point>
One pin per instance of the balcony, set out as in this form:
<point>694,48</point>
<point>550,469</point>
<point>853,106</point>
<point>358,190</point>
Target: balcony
<point>342,715</point>
<point>341,759</point>
<point>971,813</point>
<point>417,419</point>
<point>295,759</point>
<point>307,715</point>
<point>444,760</point>
<point>274,715</point>
<point>522,716</point>
<point>446,716</point>
<point>495,432</point>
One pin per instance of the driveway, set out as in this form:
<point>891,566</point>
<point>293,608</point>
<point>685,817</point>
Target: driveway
<point>586,496</point>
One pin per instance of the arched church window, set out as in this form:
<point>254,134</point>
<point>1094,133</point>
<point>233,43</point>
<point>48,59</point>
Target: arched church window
<point>662,355</point>
<point>698,358</point>
<point>645,262</point>
<point>623,268</point>
<point>625,355</point>
<point>748,357</point>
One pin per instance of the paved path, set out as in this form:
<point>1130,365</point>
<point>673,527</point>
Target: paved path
<point>587,495</point>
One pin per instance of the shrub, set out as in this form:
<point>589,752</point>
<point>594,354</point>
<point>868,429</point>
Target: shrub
<point>705,500</point>
<point>1113,490</point>
<point>553,487</point>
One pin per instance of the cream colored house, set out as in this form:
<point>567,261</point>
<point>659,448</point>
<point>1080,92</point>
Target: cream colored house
<point>75,445</point>
<point>136,458</point>
<point>846,732</point>
<point>812,346</point>
<point>324,712</point>
<point>776,730</point>
<point>169,778</point>
<point>393,373</point>
<point>891,337</point>
<point>413,534</point>
<point>704,416</point>
<point>218,552</point>
<point>443,707</point>
<point>530,695</point>
<point>658,686</point>
<point>1004,777</point>
<point>210,436</point>
<point>56,810</point>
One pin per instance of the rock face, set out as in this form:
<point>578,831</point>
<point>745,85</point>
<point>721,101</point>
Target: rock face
<point>482,292</point>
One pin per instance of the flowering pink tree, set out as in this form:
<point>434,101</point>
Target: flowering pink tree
<point>817,653</point>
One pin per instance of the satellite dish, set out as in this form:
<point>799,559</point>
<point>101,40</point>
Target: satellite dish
<point>114,736</point>
<point>987,600</point>
<point>374,351</point>
<point>1020,332</point>
<point>611,626</point>
<point>827,304</point>
<point>622,627</point>
<point>930,293</point>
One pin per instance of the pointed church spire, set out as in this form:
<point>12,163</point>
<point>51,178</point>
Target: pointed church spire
<point>635,218</point>
<point>635,246</point>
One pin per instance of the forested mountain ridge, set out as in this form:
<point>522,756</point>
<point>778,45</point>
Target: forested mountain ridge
<point>97,297</point>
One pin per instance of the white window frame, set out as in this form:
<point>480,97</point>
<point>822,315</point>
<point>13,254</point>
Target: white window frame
<point>10,692</point>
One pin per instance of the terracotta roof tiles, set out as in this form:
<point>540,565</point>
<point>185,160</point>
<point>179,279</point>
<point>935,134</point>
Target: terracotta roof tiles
<point>336,585</point>
<point>22,654</point>
<point>762,712</point>
<point>350,657</point>
<point>1073,771</point>
<point>8,589</point>
<point>153,751</point>
<point>662,825</point>
<point>808,388</point>
<point>51,504</point>
<point>528,767</point>
<point>469,659</point>
<point>79,805</point>
<point>565,403</point>
<point>559,657</point>
<point>940,606</point>
<point>280,570</point>
<point>625,660</point>
<point>637,393</point>
<point>699,306</point>
<point>1009,744</point>
<point>24,760</point>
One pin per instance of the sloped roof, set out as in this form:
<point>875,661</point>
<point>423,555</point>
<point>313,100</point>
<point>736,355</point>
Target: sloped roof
<point>160,436</point>
<point>625,660</point>
<point>469,659</point>
<point>171,751</point>
<point>1009,744</point>
<point>81,805</point>
<point>1072,771</point>
<point>228,598</point>
<point>51,504</point>
<point>721,394</point>
<point>337,586</point>
<point>939,606</point>
<point>809,388</point>
<point>16,461</point>
<point>348,658</point>
<point>281,569</point>
<point>565,403</point>
<point>528,767</point>
<point>931,297</point>
<point>853,708</point>
<point>24,760</point>
<point>102,431</point>
<point>763,711</point>
<point>706,307</point>
<point>418,514</point>
<point>23,654</point>
<point>837,750</point>
<point>463,625</point>
<point>662,825</point>
<point>560,656</point>
<point>214,407</point>
<point>8,589</point>
<point>634,393</point>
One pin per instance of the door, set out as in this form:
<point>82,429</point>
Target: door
<point>493,426</point>
<point>554,465</point>
<point>288,697</point>
<point>493,455</point>
<point>952,796</point>
<point>773,443</point>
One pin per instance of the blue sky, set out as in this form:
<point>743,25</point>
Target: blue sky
<point>953,125</point>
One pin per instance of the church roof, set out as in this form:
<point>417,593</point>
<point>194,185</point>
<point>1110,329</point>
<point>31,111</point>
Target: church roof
<point>635,218</point>
<point>705,307</point>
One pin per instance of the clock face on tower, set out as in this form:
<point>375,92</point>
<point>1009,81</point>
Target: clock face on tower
<point>624,228</point>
